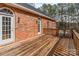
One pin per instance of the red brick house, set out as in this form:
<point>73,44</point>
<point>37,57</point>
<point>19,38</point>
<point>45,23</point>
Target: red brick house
<point>21,21</point>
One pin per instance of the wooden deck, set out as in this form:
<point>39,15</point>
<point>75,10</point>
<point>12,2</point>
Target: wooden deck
<point>41,46</point>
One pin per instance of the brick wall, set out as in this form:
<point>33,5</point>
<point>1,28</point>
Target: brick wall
<point>25,23</point>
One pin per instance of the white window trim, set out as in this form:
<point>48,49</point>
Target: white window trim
<point>7,41</point>
<point>40,26</point>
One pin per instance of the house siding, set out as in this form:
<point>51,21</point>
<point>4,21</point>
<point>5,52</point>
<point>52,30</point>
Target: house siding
<point>26,24</point>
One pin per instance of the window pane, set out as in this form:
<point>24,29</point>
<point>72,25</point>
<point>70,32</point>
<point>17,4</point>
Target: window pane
<point>4,23</point>
<point>6,28</point>
<point>4,19</point>
<point>39,25</point>
<point>9,19</point>
<point>9,23</point>
<point>9,27</point>
<point>9,32</point>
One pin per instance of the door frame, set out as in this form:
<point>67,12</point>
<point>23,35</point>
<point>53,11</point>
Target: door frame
<point>40,21</point>
<point>7,41</point>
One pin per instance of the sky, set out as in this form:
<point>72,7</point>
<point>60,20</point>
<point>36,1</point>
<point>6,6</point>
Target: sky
<point>53,2</point>
<point>40,4</point>
<point>56,1</point>
<point>47,1</point>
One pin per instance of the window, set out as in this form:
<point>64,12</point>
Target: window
<point>6,28</point>
<point>6,23</point>
<point>6,11</point>
<point>39,25</point>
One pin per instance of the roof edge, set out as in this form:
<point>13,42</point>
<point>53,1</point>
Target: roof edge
<point>29,10</point>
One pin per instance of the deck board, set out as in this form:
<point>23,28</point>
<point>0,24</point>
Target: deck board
<point>65,48</point>
<point>42,44</point>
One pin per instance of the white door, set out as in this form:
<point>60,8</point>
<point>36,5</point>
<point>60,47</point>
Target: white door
<point>6,29</point>
<point>39,26</point>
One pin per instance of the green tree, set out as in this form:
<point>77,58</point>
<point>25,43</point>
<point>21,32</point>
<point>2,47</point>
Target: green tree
<point>71,11</point>
<point>48,9</point>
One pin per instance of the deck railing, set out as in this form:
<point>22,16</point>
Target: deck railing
<point>76,41</point>
<point>49,31</point>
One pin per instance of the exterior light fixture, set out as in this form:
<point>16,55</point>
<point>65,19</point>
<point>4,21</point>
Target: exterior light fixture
<point>18,20</point>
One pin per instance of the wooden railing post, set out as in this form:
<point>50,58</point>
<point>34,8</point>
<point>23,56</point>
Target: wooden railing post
<point>76,41</point>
